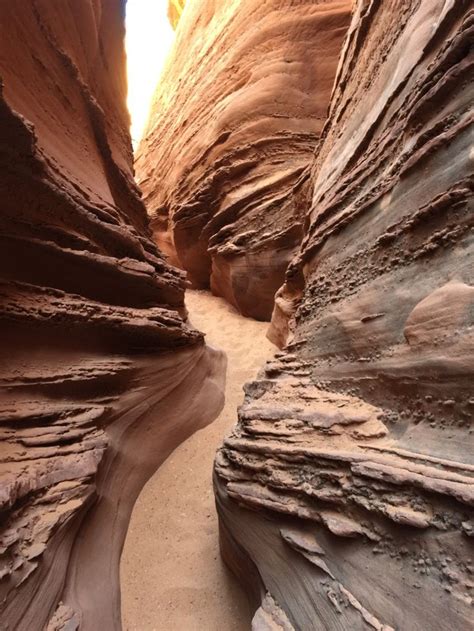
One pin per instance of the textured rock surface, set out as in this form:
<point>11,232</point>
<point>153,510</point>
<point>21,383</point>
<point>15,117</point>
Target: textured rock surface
<point>235,120</point>
<point>92,399</point>
<point>354,447</point>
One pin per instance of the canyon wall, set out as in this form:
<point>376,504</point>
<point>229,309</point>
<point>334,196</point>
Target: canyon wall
<point>224,164</point>
<point>345,492</point>
<point>100,377</point>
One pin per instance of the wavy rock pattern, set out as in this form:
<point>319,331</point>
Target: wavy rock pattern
<point>235,120</point>
<point>92,399</point>
<point>354,446</point>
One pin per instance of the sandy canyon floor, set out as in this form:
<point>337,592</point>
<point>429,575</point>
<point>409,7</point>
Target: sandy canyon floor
<point>172,576</point>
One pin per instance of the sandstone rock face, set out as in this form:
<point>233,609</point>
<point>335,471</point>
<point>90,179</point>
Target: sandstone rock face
<point>100,378</point>
<point>354,446</point>
<point>224,164</point>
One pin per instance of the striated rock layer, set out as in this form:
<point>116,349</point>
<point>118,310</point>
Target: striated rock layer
<point>345,492</point>
<point>100,378</point>
<point>235,120</point>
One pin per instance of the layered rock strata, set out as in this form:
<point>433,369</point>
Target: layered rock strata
<point>234,123</point>
<point>100,378</point>
<point>345,492</point>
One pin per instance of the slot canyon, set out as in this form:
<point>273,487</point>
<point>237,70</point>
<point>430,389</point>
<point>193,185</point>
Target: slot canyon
<point>237,360</point>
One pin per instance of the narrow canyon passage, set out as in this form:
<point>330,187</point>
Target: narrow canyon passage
<point>171,573</point>
<point>309,161</point>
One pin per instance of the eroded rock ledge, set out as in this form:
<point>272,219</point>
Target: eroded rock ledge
<point>100,378</point>
<point>345,492</point>
<point>235,120</point>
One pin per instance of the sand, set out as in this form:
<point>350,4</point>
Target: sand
<point>171,573</point>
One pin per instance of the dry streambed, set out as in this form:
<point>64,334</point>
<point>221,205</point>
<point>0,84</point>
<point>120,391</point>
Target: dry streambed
<point>172,576</point>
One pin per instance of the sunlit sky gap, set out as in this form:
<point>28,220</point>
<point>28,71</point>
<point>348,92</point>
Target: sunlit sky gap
<point>148,40</point>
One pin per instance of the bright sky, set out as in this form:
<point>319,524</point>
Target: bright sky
<point>148,40</point>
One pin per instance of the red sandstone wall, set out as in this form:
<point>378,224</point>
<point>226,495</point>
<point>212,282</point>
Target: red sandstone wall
<point>353,448</point>
<point>236,118</point>
<point>89,312</point>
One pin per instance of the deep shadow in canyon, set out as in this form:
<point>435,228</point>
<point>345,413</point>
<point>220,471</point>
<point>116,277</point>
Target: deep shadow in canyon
<point>311,163</point>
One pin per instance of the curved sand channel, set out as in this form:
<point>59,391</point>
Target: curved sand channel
<point>171,573</point>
